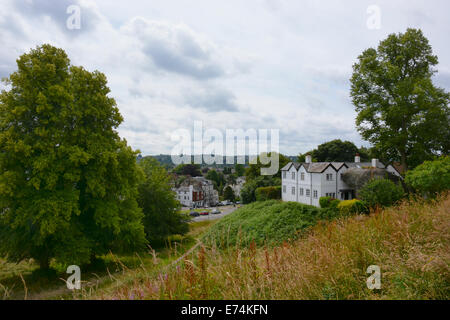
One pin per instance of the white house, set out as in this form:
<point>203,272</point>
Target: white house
<point>307,182</point>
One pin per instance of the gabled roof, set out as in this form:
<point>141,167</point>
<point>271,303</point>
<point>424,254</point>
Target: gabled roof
<point>338,165</point>
<point>289,165</point>
<point>314,167</point>
<point>319,167</point>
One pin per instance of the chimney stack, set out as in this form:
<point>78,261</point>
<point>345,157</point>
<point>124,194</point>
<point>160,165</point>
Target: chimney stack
<point>357,158</point>
<point>375,163</point>
<point>308,158</point>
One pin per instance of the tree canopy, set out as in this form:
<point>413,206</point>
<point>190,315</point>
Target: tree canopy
<point>431,177</point>
<point>228,194</point>
<point>68,182</point>
<point>336,150</point>
<point>400,111</point>
<point>192,170</point>
<point>254,170</point>
<point>159,204</point>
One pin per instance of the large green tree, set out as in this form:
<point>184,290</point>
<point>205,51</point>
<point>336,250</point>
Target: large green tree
<point>192,170</point>
<point>228,194</point>
<point>254,170</point>
<point>68,182</point>
<point>159,204</point>
<point>400,111</point>
<point>336,150</point>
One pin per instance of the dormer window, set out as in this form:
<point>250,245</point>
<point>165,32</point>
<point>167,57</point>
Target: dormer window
<point>293,175</point>
<point>284,174</point>
<point>302,176</point>
<point>329,177</point>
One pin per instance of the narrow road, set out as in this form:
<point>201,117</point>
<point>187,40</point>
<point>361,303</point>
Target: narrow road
<point>224,211</point>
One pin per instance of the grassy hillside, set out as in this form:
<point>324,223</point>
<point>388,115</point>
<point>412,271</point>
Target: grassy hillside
<point>267,222</point>
<point>410,243</point>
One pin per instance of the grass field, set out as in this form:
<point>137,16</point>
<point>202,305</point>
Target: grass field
<point>265,223</point>
<point>410,243</point>
<point>25,280</point>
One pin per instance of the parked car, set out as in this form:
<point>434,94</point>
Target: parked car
<point>204,213</point>
<point>194,214</point>
<point>216,211</point>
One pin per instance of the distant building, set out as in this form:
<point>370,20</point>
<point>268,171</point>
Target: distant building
<point>308,181</point>
<point>197,192</point>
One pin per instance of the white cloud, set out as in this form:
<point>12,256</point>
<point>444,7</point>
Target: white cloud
<point>233,64</point>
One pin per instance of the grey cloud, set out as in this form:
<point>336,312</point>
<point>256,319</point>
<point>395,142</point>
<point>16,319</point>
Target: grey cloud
<point>213,100</point>
<point>176,49</point>
<point>176,62</point>
<point>57,11</point>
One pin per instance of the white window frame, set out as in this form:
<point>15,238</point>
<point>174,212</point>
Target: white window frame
<point>293,191</point>
<point>284,189</point>
<point>302,176</point>
<point>308,192</point>
<point>293,175</point>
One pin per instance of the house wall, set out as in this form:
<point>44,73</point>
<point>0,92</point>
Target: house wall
<point>328,186</point>
<point>288,184</point>
<point>303,185</point>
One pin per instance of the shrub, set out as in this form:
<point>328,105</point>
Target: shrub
<point>334,203</point>
<point>325,202</point>
<point>381,192</point>
<point>268,193</point>
<point>350,207</point>
<point>248,191</point>
<point>431,177</point>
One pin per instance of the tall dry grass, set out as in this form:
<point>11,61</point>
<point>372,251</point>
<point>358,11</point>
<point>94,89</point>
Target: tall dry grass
<point>410,243</point>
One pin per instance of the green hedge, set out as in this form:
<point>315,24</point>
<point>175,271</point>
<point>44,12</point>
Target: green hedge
<point>268,193</point>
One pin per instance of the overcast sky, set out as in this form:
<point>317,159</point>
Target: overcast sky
<point>258,64</point>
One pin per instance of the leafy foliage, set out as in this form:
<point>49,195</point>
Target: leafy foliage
<point>350,207</point>
<point>68,183</point>
<point>159,204</point>
<point>336,150</point>
<point>431,177</point>
<point>240,170</point>
<point>254,170</point>
<point>324,202</point>
<point>228,194</point>
<point>192,170</point>
<point>248,190</point>
<point>268,193</point>
<point>400,111</point>
<point>381,192</point>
